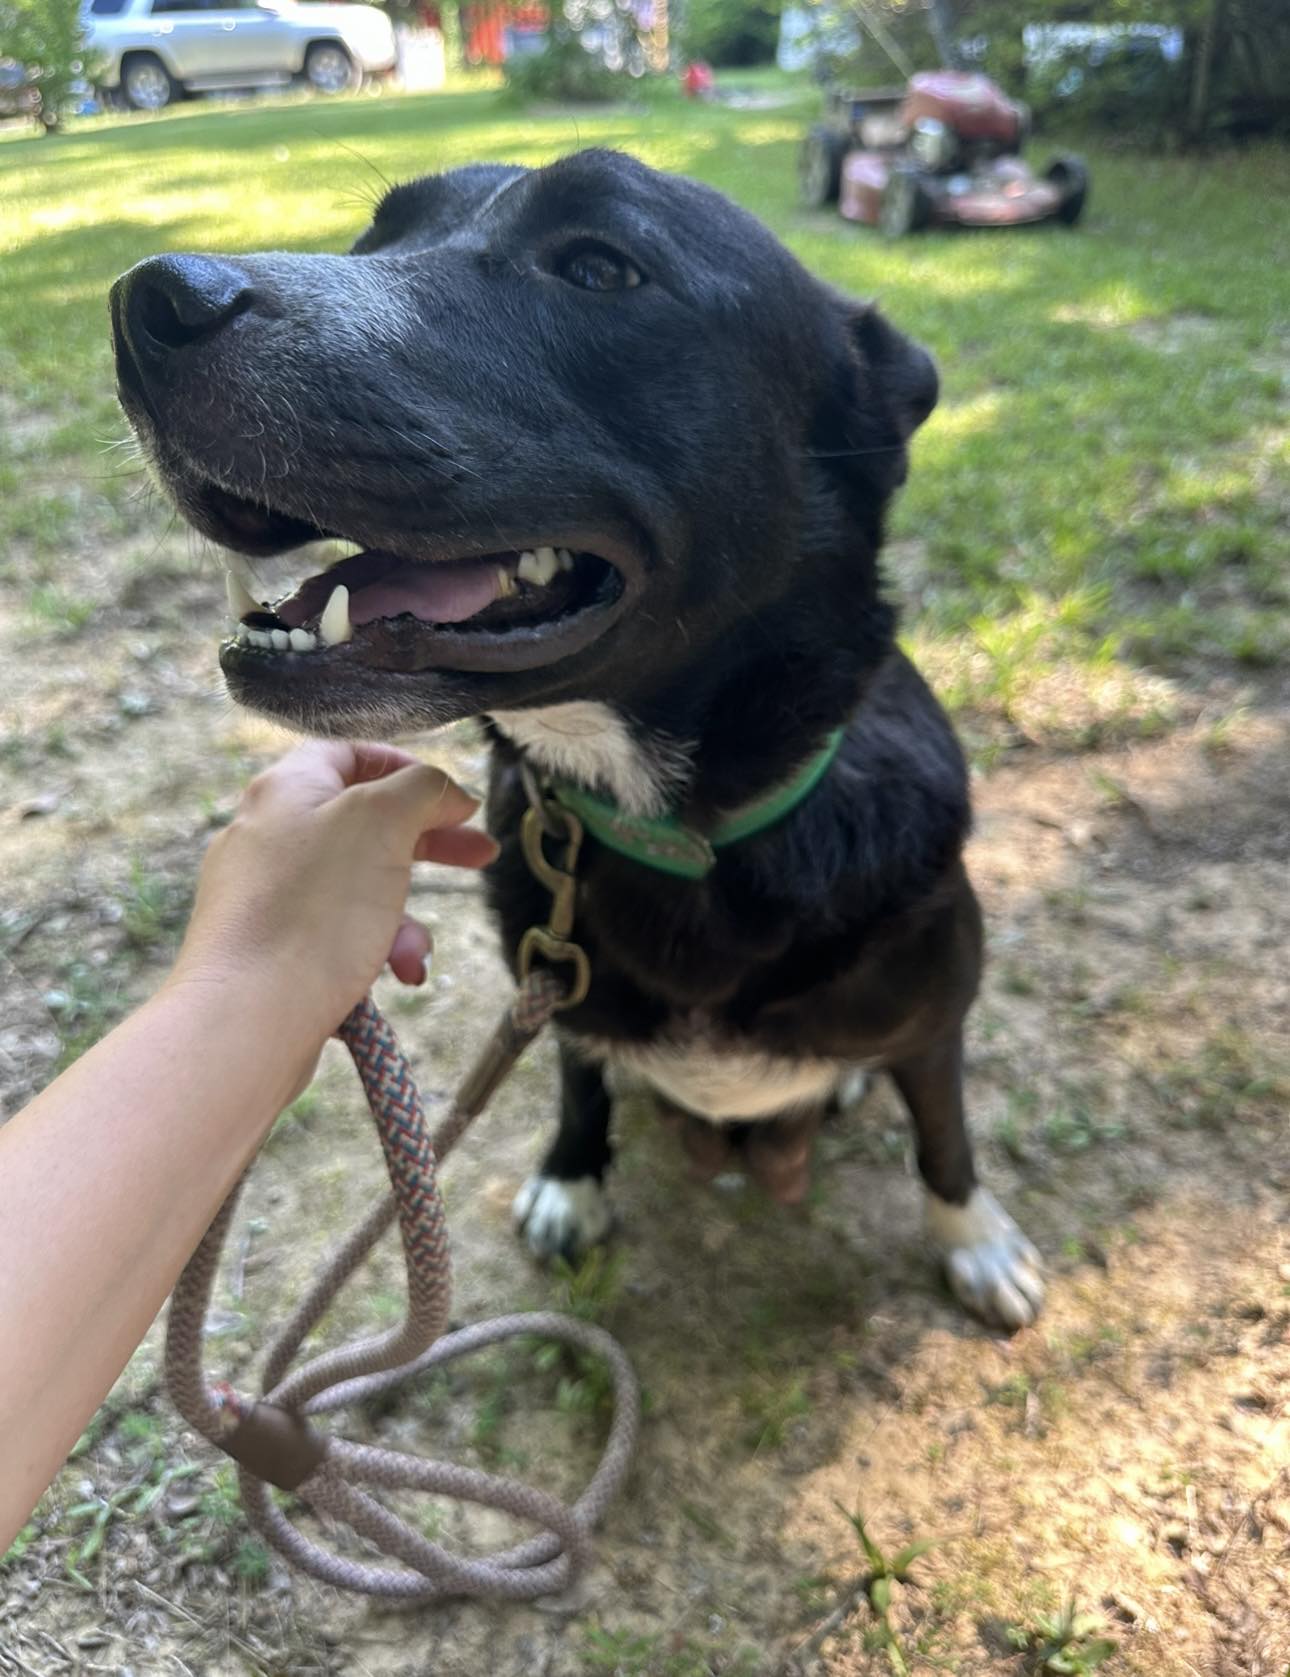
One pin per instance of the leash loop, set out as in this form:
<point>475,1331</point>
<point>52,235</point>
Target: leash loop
<point>270,1437</point>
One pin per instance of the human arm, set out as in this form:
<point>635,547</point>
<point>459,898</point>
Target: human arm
<point>110,1177</point>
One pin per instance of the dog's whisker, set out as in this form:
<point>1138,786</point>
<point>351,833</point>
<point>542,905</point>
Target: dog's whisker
<point>849,453</point>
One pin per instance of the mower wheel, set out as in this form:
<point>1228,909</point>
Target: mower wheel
<point>819,167</point>
<point>1070,176</point>
<point>905,205</point>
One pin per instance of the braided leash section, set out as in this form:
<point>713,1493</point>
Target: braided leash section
<point>387,1081</point>
<point>270,1438</point>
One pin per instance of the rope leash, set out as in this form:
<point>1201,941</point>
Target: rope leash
<point>270,1437</point>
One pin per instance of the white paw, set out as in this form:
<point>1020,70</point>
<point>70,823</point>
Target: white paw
<point>992,1268</point>
<point>561,1219</point>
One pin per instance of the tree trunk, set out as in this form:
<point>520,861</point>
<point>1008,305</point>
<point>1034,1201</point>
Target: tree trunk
<point>940,17</point>
<point>1202,74</point>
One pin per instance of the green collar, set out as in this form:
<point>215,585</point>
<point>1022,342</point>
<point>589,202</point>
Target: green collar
<point>670,847</point>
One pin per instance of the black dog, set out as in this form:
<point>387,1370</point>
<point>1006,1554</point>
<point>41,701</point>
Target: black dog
<point>618,467</point>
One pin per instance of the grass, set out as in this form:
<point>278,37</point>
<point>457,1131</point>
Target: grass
<point>1062,1644</point>
<point>1097,499</point>
<point>885,1572</point>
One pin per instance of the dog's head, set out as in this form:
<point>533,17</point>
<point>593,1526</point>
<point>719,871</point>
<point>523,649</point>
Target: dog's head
<point>585,423</point>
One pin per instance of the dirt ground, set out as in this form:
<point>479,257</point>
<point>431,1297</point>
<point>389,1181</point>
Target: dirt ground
<point>1128,1084</point>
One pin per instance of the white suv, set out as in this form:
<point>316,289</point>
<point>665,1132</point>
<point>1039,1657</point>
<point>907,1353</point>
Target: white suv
<point>151,52</point>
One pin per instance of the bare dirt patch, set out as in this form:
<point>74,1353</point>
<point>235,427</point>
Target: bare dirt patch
<point>1176,334</point>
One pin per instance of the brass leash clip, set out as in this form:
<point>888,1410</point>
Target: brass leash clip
<point>552,942</point>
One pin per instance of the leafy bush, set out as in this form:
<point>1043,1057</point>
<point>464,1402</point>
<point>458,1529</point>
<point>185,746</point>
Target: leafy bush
<point>1130,91</point>
<point>731,32</point>
<point>564,70</point>
<point>45,35</point>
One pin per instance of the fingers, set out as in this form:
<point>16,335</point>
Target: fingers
<point>316,771</point>
<point>373,761</point>
<point>410,951</point>
<point>457,847</point>
<point>415,798</point>
<point>416,803</point>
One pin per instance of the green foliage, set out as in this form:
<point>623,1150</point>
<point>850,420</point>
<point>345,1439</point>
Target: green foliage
<point>730,32</point>
<point>153,906</point>
<point>20,1545</point>
<point>1131,91</point>
<point>621,1653</point>
<point>46,36</point>
<point>770,1407</point>
<point>564,71</point>
<point>590,1291</point>
<point>884,1571</point>
<point>1062,1644</point>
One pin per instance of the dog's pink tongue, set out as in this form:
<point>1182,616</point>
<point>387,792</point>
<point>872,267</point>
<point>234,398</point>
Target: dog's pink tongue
<point>434,593</point>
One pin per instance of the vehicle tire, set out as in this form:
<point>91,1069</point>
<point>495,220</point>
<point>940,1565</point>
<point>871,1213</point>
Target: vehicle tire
<point>819,167</point>
<point>905,205</point>
<point>330,69</point>
<point>146,84</point>
<point>1070,176</point>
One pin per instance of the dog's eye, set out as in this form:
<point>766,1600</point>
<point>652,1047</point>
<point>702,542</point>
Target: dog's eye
<point>597,268</point>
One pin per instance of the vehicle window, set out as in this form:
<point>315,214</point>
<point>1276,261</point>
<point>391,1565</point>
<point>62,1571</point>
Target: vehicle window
<point>107,8</point>
<point>182,6</point>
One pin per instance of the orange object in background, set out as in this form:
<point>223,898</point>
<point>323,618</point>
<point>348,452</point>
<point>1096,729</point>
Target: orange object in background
<point>489,27</point>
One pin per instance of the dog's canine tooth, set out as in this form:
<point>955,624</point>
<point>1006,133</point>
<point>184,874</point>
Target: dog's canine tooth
<point>565,558</point>
<point>505,583</point>
<point>334,625</point>
<point>301,640</point>
<point>240,598</point>
<point>538,567</point>
<point>279,639</point>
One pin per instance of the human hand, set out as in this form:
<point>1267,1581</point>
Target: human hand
<point>302,896</point>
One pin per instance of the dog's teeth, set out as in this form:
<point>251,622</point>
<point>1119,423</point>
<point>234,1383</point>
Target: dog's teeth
<point>259,637</point>
<point>280,639</point>
<point>565,558</point>
<point>301,640</point>
<point>344,550</point>
<point>539,567</point>
<point>505,583</point>
<point>240,598</point>
<point>334,625</point>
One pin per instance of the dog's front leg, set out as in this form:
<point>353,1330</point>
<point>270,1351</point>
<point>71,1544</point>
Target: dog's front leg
<point>563,1210</point>
<point>992,1267</point>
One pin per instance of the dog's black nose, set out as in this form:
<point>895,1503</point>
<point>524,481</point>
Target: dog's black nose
<point>169,302</point>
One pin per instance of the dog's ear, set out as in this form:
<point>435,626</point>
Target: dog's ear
<point>905,372</point>
<point>878,389</point>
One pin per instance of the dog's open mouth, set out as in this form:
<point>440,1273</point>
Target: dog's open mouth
<point>511,609</point>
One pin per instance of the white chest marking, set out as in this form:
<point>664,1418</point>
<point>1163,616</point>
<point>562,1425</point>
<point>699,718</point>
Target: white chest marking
<point>591,744</point>
<point>722,1084</point>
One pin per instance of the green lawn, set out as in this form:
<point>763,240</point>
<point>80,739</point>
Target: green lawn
<point>1100,491</point>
